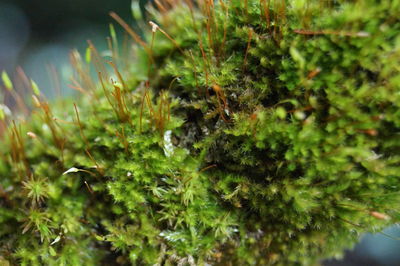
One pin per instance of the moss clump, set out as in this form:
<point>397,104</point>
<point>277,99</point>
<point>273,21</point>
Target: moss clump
<point>239,133</point>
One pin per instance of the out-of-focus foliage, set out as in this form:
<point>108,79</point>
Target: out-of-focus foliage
<point>240,132</point>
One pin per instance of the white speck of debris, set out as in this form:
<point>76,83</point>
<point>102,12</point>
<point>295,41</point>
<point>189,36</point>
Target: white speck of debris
<point>55,240</point>
<point>97,139</point>
<point>45,127</point>
<point>191,260</point>
<point>154,26</point>
<point>71,170</point>
<point>363,34</point>
<point>171,236</point>
<point>168,147</point>
<point>374,156</point>
<point>205,131</point>
<point>129,174</point>
<point>31,135</point>
<point>5,109</point>
<point>299,115</point>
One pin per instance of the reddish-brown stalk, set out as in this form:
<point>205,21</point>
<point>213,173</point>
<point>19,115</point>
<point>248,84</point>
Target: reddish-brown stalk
<point>24,78</point>
<point>17,98</point>
<point>16,92</point>
<point>166,6</point>
<point>83,74</point>
<point>156,27</point>
<point>215,24</point>
<point>161,7</point>
<point>114,46</point>
<point>145,98</point>
<point>20,102</point>
<point>97,166</point>
<point>205,63</point>
<point>98,61</point>
<point>160,117</point>
<point>172,82</point>
<point>169,111</point>
<point>189,3</point>
<point>107,95</point>
<point>15,155</point>
<point>4,194</point>
<point>49,120</point>
<point>250,36</point>
<point>141,110</point>
<point>265,7</point>
<point>170,3</point>
<point>283,11</point>
<point>87,149</point>
<point>377,215</point>
<point>80,126</point>
<point>149,103</point>
<point>371,132</point>
<point>3,127</point>
<point>222,47</point>
<point>76,86</point>
<point>246,9</point>
<point>380,216</point>
<point>207,167</point>
<point>125,48</point>
<point>121,136</point>
<point>208,25</point>
<point>221,98</point>
<point>88,187</point>
<point>119,76</point>
<point>282,19</point>
<point>62,121</point>
<point>276,19</point>
<point>313,73</point>
<point>62,148</point>
<point>253,123</point>
<point>155,116</point>
<point>195,72</point>
<point>147,86</point>
<point>18,148</point>
<point>132,33</point>
<point>36,101</point>
<point>111,48</point>
<point>54,78</point>
<point>122,109</point>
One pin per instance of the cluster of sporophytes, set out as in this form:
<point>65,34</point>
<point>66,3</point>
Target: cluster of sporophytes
<point>241,132</point>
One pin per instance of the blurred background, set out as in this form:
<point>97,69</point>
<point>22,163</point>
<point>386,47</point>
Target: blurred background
<point>38,35</point>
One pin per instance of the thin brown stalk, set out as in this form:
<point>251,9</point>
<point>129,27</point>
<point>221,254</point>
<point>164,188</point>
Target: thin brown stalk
<point>250,36</point>
<point>132,33</point>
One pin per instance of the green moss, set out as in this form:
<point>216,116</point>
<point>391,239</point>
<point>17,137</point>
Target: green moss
<point>244,133</point>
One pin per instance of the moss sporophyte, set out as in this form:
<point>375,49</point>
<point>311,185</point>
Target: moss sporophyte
<point>233,132</point>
